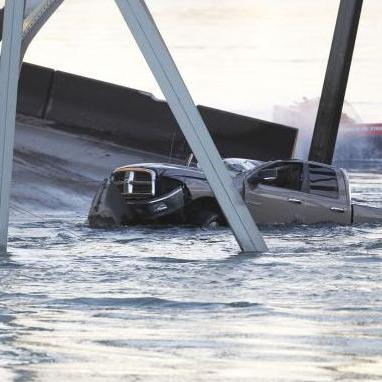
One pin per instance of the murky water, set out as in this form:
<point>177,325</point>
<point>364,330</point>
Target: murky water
<point>176,304</point>
<point>182,304</point>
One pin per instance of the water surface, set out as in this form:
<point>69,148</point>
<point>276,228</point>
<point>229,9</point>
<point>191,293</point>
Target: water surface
<point>174,304</point>
<point>181,304</point>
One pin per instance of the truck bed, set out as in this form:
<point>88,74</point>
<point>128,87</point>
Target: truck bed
<point>366,214</point>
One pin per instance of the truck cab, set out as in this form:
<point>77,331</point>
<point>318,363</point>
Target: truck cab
<point>301,192</point>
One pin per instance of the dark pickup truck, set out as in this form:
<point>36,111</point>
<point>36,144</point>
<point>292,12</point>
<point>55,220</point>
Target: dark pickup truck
<point>277,192</point>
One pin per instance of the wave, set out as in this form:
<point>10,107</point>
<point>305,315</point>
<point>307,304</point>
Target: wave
<point>149,303</point>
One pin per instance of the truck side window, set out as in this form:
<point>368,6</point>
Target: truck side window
<point>323,181</point>
<point>289,176</point>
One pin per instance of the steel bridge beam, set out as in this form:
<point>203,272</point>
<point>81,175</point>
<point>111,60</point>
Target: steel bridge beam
<point>9,76</point>
<point>335,83</point>
<point>16,37</point>
<point>37,15</point>
<point>158,57</point>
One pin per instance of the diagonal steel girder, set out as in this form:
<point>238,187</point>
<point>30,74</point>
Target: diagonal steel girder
<point>158,57</point>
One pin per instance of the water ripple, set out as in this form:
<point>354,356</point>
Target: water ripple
<point>149,303</point>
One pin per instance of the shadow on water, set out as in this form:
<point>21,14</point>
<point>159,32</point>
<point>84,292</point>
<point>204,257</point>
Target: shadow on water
<point>7,261</point>
<point>148,303</point>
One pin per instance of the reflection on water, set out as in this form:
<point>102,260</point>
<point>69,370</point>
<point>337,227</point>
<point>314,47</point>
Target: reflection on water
<point>181,304</point>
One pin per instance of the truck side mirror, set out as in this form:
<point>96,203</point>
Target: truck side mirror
<point>263,175</point>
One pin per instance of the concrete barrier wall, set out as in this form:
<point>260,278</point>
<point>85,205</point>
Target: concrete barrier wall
<point>34,90</point>
<point>139,120</point>
<point>240,136</point>
<point>126,115</point>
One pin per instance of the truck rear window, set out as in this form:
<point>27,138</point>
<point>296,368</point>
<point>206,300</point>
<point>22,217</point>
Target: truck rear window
<point>323,181</point>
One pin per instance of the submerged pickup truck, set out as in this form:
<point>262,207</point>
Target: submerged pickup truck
<point>276,192</point>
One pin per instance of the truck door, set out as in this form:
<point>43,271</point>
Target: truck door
<point>297,192</point>
<point>277,198</point>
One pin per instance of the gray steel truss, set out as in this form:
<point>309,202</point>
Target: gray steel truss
<point>158,57</point>
<point>154,49</point>
<point>36,19</point>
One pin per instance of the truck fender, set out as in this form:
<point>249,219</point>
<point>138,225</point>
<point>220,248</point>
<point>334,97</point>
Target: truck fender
<point>108,208</point>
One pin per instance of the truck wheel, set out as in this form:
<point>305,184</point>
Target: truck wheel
<point>207,219</point>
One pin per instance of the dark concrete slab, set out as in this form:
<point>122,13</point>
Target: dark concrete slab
<point>126,115</point>
<point>34,90</point>
<point>240,136</point>
<point>137,119</point>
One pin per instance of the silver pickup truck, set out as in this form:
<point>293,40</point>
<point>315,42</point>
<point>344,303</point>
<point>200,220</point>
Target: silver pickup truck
<point>277,192</point>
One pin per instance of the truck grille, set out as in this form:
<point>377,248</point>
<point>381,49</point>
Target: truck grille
<point>135,183</point>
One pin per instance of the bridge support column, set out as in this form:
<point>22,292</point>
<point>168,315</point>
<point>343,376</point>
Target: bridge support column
<point>335,83</point>
<point>154,49</point>
<point>9,76</point>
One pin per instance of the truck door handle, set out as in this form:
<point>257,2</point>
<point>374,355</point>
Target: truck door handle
<point>336,209</point>
<point>295,201</point>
